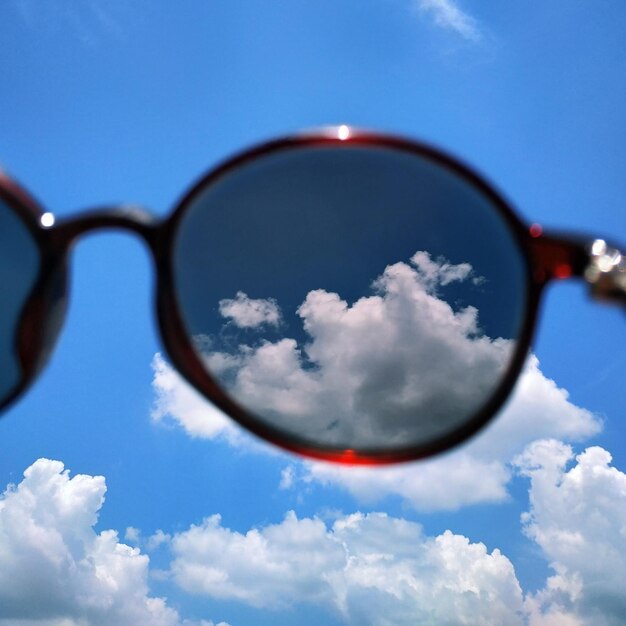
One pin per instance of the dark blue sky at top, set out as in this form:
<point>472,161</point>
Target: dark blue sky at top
<point>292,223</point>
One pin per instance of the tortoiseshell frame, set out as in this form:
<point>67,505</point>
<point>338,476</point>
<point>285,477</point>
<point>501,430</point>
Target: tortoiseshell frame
<point>547,257</point>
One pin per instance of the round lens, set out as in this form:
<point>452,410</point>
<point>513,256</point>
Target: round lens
<point>19,267</point>
<point>353,296</point>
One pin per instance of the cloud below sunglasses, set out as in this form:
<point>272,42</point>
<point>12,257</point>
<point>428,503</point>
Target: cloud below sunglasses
<point>346,295</point>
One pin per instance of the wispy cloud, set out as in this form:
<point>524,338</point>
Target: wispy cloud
<point>88,21</point>
<point>448,15</point>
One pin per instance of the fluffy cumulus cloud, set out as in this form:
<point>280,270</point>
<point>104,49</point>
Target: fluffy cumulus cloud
<point>380,369</point>
<point>55,570</point>
<point>248,312</point>
<point>376,372</point>
<point>448,15</point>
<point>578,517</point>
<point>176,401</point>
<point>368,569</point>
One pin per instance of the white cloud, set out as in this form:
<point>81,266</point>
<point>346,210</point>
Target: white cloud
<point>374,373</point>
<point>157,539</point>
<point>578,518</point>
<point>287,476</point>
<point>249,313</point>
<point>441,272</point>
<point>369,569</point>
<point>55,570</point>
<point>446,483</point>
<point>132,535</point>
<point>448,15</point>
<point>176,400</point>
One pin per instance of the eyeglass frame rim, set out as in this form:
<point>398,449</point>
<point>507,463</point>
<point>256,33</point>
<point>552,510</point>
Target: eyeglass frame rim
<point>542,254</point>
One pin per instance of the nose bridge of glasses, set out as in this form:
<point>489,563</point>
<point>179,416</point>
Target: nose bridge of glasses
<point>126,217</point>
<point>43,314</point>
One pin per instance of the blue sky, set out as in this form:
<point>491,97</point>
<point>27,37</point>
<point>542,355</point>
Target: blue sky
<point>203,524</point>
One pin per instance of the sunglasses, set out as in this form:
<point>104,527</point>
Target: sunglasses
<point>346,295</point>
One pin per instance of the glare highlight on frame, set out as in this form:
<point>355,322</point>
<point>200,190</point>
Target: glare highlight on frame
<point>343,132</point>
<point>47,220</point>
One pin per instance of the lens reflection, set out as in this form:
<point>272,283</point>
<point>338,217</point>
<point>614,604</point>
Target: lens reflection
<point>354,297</point>
<point>19,264</point>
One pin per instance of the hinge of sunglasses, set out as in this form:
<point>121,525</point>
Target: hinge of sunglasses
<point>606,272</point>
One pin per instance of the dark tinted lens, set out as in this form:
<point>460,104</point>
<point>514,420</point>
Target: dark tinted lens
<point>353,297</point>
<point>19,266</point>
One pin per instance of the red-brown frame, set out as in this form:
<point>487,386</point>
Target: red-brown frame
<point>547,257</point>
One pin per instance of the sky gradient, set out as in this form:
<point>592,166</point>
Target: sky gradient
<point>129,500</point>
